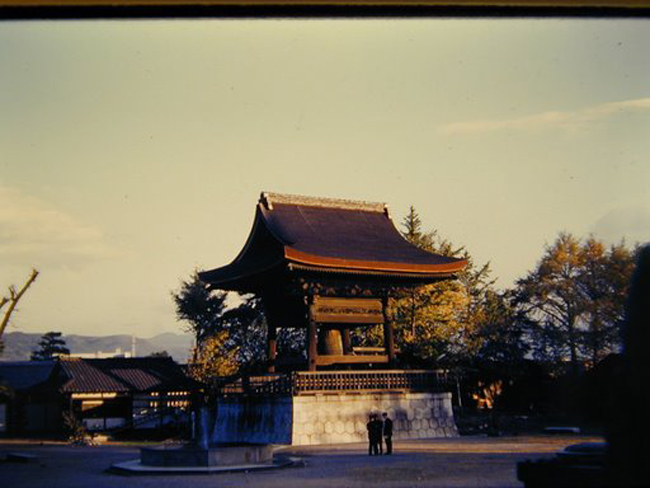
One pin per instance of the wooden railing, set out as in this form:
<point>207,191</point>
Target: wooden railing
<point>269,384</point>
<point>312,382</point>
<point>396,380</point>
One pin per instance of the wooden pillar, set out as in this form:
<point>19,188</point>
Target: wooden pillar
<point>347,342</point>
<point>312,343</point>
<point>272,345</point>
<point>312,338</point>
<point>389,338</point>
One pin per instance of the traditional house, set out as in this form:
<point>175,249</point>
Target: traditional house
<point>105,394</point>
<point>28,403</point>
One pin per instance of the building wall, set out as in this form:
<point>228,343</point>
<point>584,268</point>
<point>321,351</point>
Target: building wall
<point>333,418</point>
<point>43,417</point>
<point>24,415</point>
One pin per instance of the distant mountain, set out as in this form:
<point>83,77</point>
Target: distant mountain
<point>19,345</point>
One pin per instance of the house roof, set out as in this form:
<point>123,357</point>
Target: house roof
<point>329,235</point>
<point>124,375</point>
<point>22,375</point>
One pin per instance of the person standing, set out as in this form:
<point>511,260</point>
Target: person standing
<point>374,427</point>
<point>369,427</point>
<point>379,429</point>
<point>388,433</point>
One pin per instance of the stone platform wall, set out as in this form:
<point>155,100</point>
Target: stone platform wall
<point>333,418</point>
<point>340,418</point>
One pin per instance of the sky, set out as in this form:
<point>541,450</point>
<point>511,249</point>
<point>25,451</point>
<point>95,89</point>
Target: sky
<point>134,152</point>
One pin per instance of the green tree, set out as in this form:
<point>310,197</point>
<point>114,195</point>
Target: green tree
<point>200,308</point>
<point>574,300</point>
<point>481,302</point>
<point>604,283</point>
<point>50,346</point>
<point>159,354</point>
<point>246,327</point>
<point>552,302</point>
<point>412,232</point>
<point>424,315</point>
<point>241,329</point>
<point>438,320</point>
<point>499,335</point>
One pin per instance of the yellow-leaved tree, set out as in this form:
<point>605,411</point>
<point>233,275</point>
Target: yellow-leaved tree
<point>213,358</point>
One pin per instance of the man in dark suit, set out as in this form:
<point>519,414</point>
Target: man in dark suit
<point>388,433</point>
<point>374,427</point>
<point>379,429</point>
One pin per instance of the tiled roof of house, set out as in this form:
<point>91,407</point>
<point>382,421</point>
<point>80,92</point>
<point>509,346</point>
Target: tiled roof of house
<point>21,375</point>
<point>124,375</point>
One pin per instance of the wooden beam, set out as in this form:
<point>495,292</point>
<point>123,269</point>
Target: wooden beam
<point>368,350</point>
<point>337,310</point>
<point>327,360</point>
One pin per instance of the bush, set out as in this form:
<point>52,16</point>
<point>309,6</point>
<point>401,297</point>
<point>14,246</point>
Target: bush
<point>78,435</point>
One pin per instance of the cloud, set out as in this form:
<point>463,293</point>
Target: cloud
<point>34,233</point>
<point>631,223</point>
<point>568,121</point>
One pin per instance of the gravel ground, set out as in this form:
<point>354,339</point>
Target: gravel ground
<point>462,462</point>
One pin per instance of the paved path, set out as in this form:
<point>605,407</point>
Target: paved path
<point>461,462</point>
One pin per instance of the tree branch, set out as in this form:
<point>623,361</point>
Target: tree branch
<point>14,298</point>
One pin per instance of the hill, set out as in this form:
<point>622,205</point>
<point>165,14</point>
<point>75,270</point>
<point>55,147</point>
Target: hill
<point>19,345</point>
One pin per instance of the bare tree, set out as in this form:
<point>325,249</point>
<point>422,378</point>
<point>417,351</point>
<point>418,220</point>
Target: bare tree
<point>12,300</point>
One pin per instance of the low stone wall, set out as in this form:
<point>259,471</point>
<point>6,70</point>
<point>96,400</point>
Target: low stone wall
<point>332,418</point>
<point>340,418</point>
<point>263,420</point>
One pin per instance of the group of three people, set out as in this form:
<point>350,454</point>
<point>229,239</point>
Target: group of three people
<point>379,428</point>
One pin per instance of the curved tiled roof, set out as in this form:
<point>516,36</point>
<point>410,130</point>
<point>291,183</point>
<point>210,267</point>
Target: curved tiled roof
<point>328,234</point>
<point>123,375</point>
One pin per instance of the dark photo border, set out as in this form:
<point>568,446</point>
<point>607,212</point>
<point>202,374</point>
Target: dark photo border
<point>135,9</point>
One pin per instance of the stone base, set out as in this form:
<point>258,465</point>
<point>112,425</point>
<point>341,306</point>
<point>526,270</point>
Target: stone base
<point>333,417</point>
<point>135,467</point>
<point>215,456</point>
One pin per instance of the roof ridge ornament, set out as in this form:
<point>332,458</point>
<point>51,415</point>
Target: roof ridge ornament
<point>268,199</point>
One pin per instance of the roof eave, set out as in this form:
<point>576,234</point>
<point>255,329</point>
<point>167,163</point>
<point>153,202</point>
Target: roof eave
<point>423,278</point>
<point>374,267</point>
<point>233,283</point>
